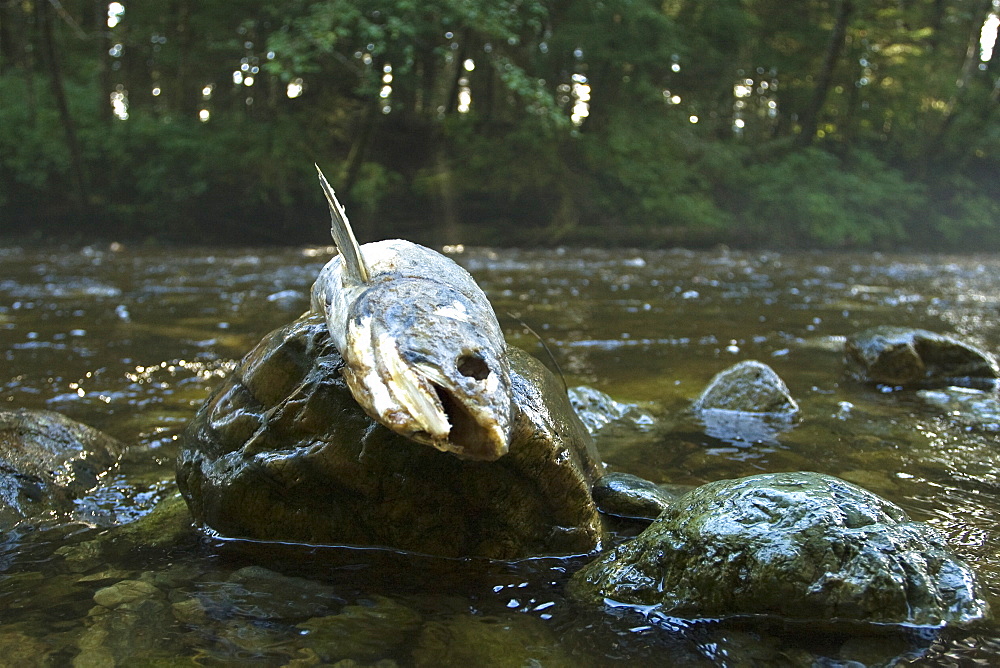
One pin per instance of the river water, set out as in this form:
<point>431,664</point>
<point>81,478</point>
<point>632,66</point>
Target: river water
<point>132,340</point>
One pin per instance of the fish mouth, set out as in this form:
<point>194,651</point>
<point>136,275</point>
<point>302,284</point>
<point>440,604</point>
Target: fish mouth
<point>420,402</point>
<point>470,437</point>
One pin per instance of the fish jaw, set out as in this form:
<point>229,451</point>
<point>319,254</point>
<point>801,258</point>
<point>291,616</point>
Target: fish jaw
<point>454,412</point>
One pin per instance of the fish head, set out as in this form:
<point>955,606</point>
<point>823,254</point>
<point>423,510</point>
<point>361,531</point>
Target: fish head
<point>430,364</point>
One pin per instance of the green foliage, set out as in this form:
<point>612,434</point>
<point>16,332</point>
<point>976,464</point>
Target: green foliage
<point>653,173</point>
<point>518,172</point>
<point>30,155</point>
<point>375,184</point>
<point>811,197</point>
<point>964,214</point>
<point>667,151</point>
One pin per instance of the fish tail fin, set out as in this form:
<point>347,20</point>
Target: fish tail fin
<point>343,235</point>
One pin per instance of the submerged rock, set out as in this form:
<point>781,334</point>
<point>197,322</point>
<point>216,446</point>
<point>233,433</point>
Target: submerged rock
<point>282,451</point>
<point>126,625</point>
<point>47,461</point>
<point>20,649</point>
<point>741,429</point>
<point>907,356</point>
<point>287,620</point>
<point>167,527</point>
<point>800,545</point>
<point>269,595</point>
<point>489,642</point>
<point>362,631</point>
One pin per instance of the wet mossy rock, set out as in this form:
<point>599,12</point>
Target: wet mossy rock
<point>281,451</point>
<point>748,387</point>
<point>916,357</point>
<point>627,495</point>
<point>800,545</point>
<point>47,461</point>
<point>746,403</point>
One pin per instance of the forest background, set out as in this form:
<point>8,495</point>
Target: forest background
<point>777,123</point>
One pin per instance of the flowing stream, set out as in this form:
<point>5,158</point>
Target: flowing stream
<point>131,341</point>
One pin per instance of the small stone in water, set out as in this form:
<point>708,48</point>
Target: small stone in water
<point>126,591</point>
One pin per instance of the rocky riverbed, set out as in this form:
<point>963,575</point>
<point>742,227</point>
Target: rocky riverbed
<point>132,342</point>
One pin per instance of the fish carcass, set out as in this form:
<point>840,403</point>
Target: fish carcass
<point>423,352</point>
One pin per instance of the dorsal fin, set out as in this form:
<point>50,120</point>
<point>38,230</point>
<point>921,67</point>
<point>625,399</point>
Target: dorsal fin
<point>343,235</point>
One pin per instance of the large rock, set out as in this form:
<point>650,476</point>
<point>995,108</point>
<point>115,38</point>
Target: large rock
<point>282,451</point>
<point>47,461</point>
<point>800,545</point>
<point>906,356</point>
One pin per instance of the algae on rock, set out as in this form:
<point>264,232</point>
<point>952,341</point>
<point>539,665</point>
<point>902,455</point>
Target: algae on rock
<point>800,545</point>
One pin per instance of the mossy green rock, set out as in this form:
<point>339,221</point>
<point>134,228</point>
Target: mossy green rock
<point>282,451</point>
<point>916,357</point>
<point>800,545</point>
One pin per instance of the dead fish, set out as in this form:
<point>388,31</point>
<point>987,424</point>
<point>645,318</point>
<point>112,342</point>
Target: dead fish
<point>423,351</point>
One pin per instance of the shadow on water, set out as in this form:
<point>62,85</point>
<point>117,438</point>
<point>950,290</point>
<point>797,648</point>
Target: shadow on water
<point>132,341</point>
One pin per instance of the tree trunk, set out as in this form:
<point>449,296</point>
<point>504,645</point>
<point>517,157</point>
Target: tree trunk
<point>356,157</point>
<point>185,96</point>
<point>447,230</point>
<point>959,93</point>
<point>8,49</point>
<point>993,67</point>
<point>427,99</point>
<point>969,63</point>
<point>359,147</point>
<point>50,53</point>
<point>488,77</point>
<point>101,37</point>
<point>456,74</point>
<point>810,117</point>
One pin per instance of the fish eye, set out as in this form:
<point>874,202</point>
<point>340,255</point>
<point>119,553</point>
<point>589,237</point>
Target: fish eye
<point>473,366</point>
